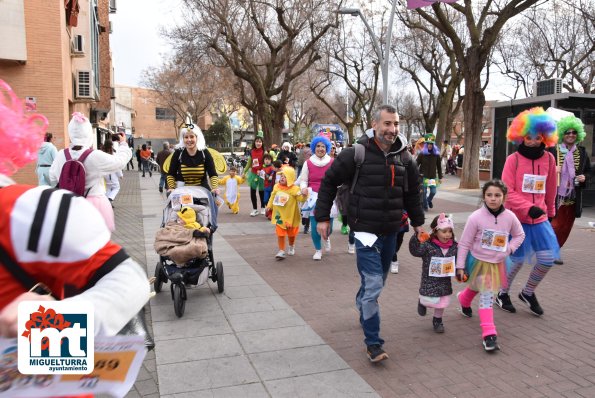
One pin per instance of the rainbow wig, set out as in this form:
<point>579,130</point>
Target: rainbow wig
<point>320,138</point>
<point>21,133</point>
<point>571,122</point>
<point>533,123</point>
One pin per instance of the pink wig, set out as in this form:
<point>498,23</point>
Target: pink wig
<point>533,123</point>
<point>21,133</point>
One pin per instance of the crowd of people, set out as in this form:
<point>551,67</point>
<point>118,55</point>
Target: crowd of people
<point>380,187</point>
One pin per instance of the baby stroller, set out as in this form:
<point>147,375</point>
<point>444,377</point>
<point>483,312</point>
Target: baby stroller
<point>451,166</point>
<point>197,270</point>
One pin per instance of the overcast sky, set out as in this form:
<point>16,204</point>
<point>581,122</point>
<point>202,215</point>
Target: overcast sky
<point>136,42</point>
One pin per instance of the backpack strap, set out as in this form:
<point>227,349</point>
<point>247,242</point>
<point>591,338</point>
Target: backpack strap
<point>67,154</point>
<point>359,157</point>
<point>84,155</point>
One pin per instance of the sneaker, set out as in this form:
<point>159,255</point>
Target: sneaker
<point>558,262</point>
<point>317,255</point>
<point>160,189</point>
<point>280,255</point>
<point>394,267</point>
<point>532,302</point>
<point>490,343</point>
<point>465,311</point>
<point>344,230</point>
<point>262,211</point>
<point>503,301</point>
<point>327,245</point>
<point>376,353</point>
<point>351,248</point>
<point>306,230</point>
<point>438,325</point>
<point>291,250</point>
<point>430,204</point>
<point>253,213</point>
<point>421,309</point>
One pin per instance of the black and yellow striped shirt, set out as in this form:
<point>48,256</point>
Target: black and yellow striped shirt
<point>192,169</point>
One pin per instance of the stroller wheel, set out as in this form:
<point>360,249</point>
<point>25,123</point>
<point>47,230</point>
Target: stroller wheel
<point>220,279</point>
<point>158,283</point>
<point>179,299</point>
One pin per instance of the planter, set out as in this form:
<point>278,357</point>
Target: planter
<point>484,175</point>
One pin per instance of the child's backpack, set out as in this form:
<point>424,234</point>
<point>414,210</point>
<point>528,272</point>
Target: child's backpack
<point>73,174</point>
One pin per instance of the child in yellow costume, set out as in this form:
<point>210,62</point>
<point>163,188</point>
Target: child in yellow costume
<point>285,215</point>
<point>187,217</point>
<point>232,191</point>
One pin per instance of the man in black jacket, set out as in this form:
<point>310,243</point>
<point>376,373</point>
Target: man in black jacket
<point>387,183</point>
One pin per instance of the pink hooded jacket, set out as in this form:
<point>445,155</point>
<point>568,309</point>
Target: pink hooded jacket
<point>520,202</point>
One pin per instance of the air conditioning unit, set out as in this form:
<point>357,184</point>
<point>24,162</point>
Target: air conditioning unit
<point>78,45</point>
<point>112,6</point>
<point>547,87</point>
<point>84,85</point>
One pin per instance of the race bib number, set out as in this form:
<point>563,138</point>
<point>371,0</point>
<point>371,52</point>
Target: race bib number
<point>494,240</point>
<point>281,199</point>
<point>261,174</point>
<point>255,162</point>
<point>442,267</point>
<point>533,183</point>
<point>186,199</point>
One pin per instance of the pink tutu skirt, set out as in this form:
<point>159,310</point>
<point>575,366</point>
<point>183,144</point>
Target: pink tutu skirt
<point>434,302</point>
<point>102,204</point>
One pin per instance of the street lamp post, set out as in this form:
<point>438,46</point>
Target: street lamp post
<point>354,12</point>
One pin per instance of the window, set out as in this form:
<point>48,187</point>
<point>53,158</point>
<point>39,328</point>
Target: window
<point>164,114</point>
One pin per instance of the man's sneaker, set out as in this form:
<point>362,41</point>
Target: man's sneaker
<point>344,230</point>
<point>291,250</point>
<point>430,204</point>
<point>465,311</point>
<point>262,211</point>
<point>532,302</point>
<point>558,261</point>
<point>351,248</point>
<point>280,255</point>
<point>490,343</point>
<point>503,301</point>
<point>327,245</point>
<point>438,325</point>
<point>421,309</point>
<point>394,267</point>
<point>317,255</point>
<point>376,353</point>
<point>161,189</point>
<point>253,213</point>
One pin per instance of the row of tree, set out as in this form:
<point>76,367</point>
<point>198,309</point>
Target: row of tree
<point>304,61</point>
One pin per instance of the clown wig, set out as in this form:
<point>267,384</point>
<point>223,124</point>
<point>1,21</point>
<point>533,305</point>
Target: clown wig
<point>533,123</point>
<point>21,133</point>
<point>571,122</point>
<point>320,138</point>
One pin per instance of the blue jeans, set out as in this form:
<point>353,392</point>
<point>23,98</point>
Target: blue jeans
<point>163,181</point>
<point>373,264</point>
<point>267,194</point>
<point>427,198</point>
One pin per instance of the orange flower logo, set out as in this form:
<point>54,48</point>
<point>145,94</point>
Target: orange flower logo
<point>43,319</point>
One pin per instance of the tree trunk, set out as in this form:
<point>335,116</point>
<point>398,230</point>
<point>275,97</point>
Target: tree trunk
<point>473,110</point>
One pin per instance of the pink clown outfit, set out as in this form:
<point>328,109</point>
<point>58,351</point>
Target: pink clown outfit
<point>488,238</point>
<point>530,175</point>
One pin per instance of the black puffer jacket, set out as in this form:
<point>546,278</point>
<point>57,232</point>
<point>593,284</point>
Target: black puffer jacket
<point>431,286</point>
<point>379,197</point>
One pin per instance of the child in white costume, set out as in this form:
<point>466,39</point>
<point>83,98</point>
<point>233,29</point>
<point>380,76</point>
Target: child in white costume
<point>232,192</point>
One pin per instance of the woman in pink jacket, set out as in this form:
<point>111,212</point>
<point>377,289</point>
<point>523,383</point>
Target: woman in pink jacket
<point>490,235</point>
<point>530,175</point>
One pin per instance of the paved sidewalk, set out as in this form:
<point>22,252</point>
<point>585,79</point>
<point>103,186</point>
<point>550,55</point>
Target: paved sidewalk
<point>246,342</point>
<point>277,329</point>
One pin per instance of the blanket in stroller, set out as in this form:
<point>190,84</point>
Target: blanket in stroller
<point>179,244</point>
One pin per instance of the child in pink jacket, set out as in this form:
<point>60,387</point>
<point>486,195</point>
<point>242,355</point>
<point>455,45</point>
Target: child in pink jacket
<point>490,235</point>
<point>530,175</point>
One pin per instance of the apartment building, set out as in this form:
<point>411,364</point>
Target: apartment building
<point>56,54</point>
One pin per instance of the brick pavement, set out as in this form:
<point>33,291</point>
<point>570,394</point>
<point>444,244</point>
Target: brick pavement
<point>551,356</point>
